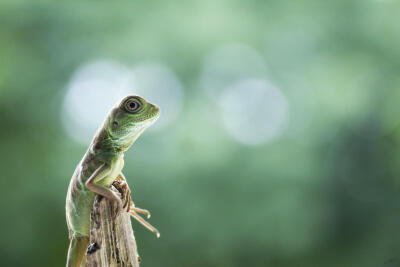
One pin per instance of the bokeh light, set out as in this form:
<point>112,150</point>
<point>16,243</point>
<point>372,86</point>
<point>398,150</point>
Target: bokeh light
<point>92,91</point>
<point>159,85</point>
<point>229,64</point>
<point>97,86</point>
<point>254,111</point>
<point>278,142</point>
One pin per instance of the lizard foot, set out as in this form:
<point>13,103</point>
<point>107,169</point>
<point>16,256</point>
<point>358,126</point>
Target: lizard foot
<point>124,193</point>
<point>139,210</point>
<point>144,222</point>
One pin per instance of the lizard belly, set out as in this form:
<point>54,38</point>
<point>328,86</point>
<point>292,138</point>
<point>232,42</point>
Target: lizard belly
<point>80,200</point>
<point>78,207</point>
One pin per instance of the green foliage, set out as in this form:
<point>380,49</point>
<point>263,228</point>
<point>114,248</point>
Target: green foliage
<point>324,193</point>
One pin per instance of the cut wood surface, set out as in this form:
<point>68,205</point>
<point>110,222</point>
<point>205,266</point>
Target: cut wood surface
<point>112,242</point>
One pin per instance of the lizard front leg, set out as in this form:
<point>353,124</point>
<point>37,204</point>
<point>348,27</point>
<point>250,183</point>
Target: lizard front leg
<point>102,172</point>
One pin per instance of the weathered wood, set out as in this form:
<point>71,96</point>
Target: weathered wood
<point>112,242</point>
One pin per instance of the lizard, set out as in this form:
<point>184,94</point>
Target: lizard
<point>100,167</point>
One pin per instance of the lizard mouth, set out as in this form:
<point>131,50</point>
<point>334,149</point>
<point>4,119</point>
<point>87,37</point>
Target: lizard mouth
<point>152,115</point>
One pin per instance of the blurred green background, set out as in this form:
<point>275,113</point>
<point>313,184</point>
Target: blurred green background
<point>278,144</point>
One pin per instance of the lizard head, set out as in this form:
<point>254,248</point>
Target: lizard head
<point>129,118</point>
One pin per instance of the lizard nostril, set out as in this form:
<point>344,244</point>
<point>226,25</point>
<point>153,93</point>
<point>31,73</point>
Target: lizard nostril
<point>115,124</point>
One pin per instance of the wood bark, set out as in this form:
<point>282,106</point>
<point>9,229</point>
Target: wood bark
<point>112,242</point>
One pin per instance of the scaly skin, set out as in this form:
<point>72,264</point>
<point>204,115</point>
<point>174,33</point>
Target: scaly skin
<point>101,166</point>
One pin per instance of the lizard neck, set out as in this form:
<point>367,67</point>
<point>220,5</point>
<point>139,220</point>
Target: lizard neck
<point>103,143</point>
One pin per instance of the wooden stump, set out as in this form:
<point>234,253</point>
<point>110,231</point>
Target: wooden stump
<point>112,242</point>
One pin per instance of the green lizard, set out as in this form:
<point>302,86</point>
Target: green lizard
<point>101,166</point>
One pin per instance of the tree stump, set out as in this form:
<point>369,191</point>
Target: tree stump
<point>112,243</point>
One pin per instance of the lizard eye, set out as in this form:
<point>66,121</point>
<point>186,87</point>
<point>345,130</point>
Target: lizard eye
<point>132,105</point>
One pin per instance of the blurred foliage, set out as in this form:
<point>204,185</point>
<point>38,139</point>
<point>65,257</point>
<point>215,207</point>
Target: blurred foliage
<point>324,195</point>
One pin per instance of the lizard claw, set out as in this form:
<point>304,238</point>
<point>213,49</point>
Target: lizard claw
<point>139,210</point>
<point>128,203</point>
<point>145,223</point>
<point>127,198</point>
<point>124,193</point>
